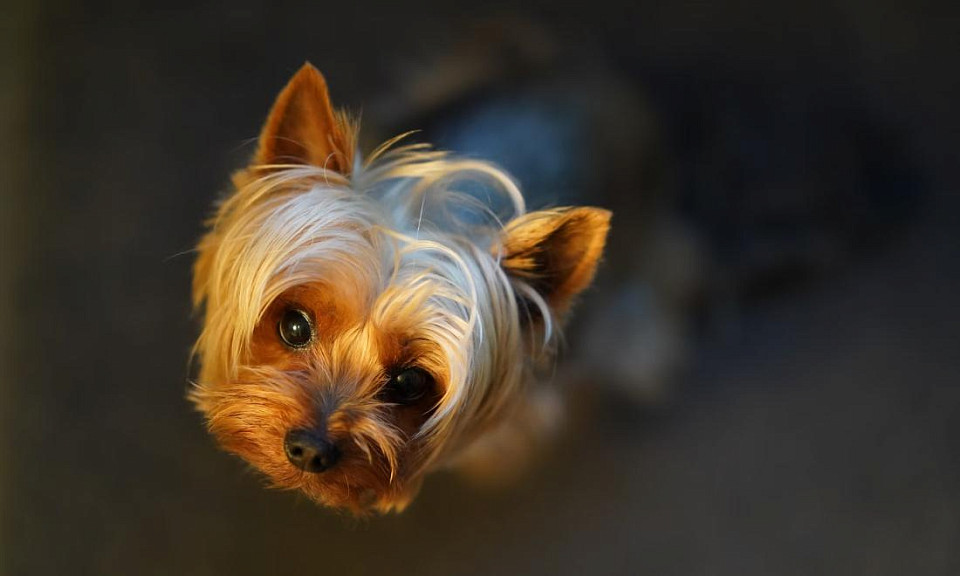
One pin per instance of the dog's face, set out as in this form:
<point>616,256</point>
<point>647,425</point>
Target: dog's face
<point>357,332</point>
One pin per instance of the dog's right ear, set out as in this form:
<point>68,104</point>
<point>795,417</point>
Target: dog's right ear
<point>303,127</point>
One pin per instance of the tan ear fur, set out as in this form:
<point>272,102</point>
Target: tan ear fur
<point>556,252</point>
<point>303,127</point>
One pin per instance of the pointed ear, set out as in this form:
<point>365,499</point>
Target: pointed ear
<point>556,252</point>
<point>303,127</point>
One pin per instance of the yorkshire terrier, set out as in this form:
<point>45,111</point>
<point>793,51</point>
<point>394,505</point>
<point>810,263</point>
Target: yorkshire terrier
<point>369,321</point>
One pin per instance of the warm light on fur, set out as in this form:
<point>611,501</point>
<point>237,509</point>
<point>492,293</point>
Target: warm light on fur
<point>411,258</point>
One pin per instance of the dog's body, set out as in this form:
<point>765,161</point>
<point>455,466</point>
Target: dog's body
<point>366,323</point>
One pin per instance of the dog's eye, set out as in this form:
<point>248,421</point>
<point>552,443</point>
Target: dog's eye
<point>408,386</point>
<point>294,328</point>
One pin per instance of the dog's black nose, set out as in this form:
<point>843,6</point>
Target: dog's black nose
<point>310,451</point>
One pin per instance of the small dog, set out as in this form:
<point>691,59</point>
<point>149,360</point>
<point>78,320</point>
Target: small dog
<point>367,322</point>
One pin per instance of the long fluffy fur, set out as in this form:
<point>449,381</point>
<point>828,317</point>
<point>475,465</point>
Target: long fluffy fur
<point>414,235</point>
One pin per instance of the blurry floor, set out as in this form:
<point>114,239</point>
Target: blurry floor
<point>822,438</point>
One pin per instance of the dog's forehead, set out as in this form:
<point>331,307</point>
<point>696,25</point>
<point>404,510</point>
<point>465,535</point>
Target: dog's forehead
<point>403,306</point>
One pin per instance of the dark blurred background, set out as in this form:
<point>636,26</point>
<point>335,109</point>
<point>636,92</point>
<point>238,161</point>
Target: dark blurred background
<point>771,353</point>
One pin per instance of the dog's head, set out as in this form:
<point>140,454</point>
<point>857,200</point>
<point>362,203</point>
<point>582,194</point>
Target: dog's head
<point>364,321</point>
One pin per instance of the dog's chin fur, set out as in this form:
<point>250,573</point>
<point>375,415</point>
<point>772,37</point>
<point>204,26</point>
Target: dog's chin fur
<point>400,261</point>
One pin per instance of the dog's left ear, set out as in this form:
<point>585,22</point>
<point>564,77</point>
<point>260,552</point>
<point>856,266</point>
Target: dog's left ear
<point>556,252</point>
<point>304,128</point>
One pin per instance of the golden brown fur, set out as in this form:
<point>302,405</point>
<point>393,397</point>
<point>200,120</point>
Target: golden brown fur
<point>391,282</point>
